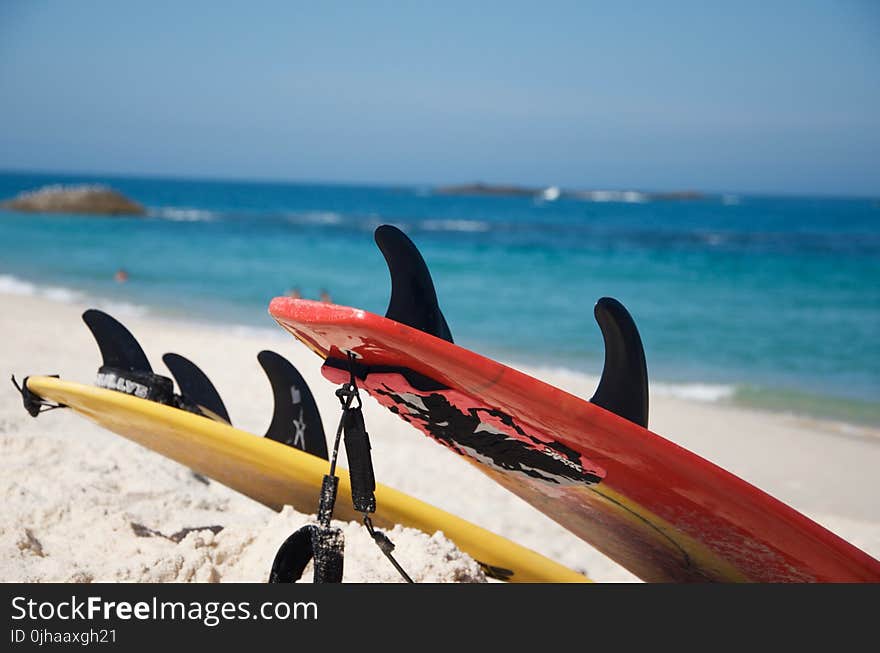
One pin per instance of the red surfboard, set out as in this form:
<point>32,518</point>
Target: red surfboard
<point>659,510</point>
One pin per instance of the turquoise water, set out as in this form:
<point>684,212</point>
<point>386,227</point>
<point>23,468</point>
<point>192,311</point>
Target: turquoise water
<point>774,302</point>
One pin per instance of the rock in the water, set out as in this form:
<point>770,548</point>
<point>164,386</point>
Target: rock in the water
<point>480,188</point>
<point>96,200</point>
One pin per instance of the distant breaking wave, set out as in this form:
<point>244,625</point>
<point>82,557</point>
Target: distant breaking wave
<point>370,222</point>
<point>626,196</point>
<point>470,226</point>
<point>552,232</point>
<point>182,214</point>
<point>316,217</point>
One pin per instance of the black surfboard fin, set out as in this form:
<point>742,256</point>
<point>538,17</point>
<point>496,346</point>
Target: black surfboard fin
<point>125,367</point>
<point>295,419</point>
<point>413,298</point>
<point>196,388</point>
<point>623,389</point>
<point>119,349</point>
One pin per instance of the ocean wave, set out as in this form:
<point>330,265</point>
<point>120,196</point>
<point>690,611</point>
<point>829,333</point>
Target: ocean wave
<point>469,226</point>
<point>551,194</point>
<point>709,392</point>
<point>117,308</point>
<point>712,239</point>
<point>11,285</point>
<point>182,214</point>
<point>626,196</point>
<point>584,385</point>
<point>552,232</point>
<point>316,217</point>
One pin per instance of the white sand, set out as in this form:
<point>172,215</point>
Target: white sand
<point>71,491</point>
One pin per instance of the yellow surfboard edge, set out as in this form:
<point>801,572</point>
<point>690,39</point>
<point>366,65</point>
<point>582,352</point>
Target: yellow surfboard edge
<point>276,475</point>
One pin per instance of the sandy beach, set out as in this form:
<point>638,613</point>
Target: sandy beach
<point>75,496</point>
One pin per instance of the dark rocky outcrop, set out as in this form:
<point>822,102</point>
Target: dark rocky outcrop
<point>94,200</point>
<point>487,189</point>
<point>507,190</point>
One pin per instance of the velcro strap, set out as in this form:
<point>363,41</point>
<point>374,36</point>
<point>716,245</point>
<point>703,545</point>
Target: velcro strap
<point>360,462</point>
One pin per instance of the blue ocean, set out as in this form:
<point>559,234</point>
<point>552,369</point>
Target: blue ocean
<point>772,302</point>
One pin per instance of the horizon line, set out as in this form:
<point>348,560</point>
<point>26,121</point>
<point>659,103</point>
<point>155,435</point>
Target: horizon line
<point>373,184</point>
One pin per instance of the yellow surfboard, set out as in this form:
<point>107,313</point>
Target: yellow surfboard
<point>277,475</point>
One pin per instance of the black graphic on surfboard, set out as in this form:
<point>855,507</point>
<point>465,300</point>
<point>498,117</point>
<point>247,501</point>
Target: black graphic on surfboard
<point>485,434</point>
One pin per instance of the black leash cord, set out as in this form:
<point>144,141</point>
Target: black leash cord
<point>347,394</point>
<point>330,483</point>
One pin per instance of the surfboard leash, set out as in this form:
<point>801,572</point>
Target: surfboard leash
<point>325,543</point>
<point>360,461</point>
<point>33,403</point>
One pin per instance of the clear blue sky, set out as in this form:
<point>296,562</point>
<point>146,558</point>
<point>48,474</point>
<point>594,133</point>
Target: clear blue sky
<point>764,96</point>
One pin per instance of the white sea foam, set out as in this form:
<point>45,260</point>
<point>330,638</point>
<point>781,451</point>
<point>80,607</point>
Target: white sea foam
<point>550,194</point>
<point>634,197</point>
<point>183,214</point>
<point>11,285</point>
<point>584,385</point>
<point>712,239</point>
<point>628,196</point>
<point>695,391</point>
<point>58,294</point>
<point>119,308</point>
<point>316,217</point>
<point>471,226</point>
